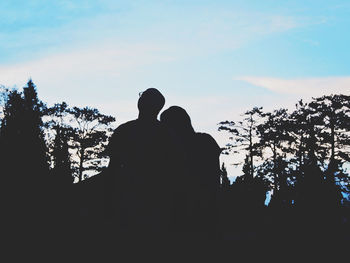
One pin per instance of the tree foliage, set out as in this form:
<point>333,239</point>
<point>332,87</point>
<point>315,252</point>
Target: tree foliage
<point>243,137</point>
<point>77,138</point>
<point>298,153</point>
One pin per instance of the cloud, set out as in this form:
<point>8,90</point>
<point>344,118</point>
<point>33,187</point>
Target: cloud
<point>302,86</point>
<point>227,30</point>
<point>82,72</point>
<point>200,31</point>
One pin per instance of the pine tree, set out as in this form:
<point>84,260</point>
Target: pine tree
<point>332,114</point>
<point>24,163</point>
<point>225,181</point>
<point>274,138</point>
<point>34,110</point>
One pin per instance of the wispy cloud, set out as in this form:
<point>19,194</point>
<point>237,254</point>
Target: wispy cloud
<point>201,30</point>
<point>84,70</point>
<point>302,86</point>
<point>81,54</point>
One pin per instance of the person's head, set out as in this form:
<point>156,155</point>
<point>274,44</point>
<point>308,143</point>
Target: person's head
<point>177,119</point>
<point>150,103</point>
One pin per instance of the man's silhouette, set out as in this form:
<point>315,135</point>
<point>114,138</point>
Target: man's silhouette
<point>141,166</point>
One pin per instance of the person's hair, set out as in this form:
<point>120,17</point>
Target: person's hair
<point>177,119</point>
<point>151,101</point>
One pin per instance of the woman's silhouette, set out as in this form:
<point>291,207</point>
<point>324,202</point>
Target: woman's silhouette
<point>199,183</point>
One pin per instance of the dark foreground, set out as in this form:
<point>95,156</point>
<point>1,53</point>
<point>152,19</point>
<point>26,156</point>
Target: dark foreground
<point>73,226</point>
<point>276,236</point>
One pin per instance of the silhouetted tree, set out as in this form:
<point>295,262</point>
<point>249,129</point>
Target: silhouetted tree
<point>244,137</point>
<point>22,128</point>
<point>91,132</point>
<point>225,182</point>
<point>3,98</point>
<point>4,93</point>
<point>274,138</point>
<point>248,192</point>
<point>33,127</point>
<point>309,153</point>
<point>24,160</point>
<point>61,155</point>
<point>299,131</point>
<point>59,138</point>
<point>253,190</point>
<point>333,115</point>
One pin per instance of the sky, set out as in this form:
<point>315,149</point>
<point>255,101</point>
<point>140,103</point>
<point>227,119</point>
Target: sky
<point>216,59</point>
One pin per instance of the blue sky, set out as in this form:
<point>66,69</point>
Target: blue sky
<point>214,58</point>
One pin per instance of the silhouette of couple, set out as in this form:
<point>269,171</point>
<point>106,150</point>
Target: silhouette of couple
<point>163,176</point>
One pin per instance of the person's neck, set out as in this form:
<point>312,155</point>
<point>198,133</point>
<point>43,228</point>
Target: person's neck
<point>147,117</point>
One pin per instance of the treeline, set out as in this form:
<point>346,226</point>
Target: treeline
<point>44,153</point>
<point>62,141</point>
<point>300,156</point>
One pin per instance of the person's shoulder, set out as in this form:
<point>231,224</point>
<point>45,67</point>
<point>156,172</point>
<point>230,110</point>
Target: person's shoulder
<point>121,131</point>
<point>125,126</point>
<point>205,137</point>
<point>118,136</point>
<point>207,140</point>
